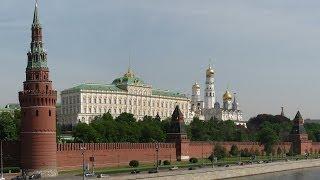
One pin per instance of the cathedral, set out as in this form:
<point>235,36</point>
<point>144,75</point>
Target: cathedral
<point>209,107</point>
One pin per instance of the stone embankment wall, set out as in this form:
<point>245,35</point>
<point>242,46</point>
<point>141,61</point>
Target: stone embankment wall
<point>225,172</point>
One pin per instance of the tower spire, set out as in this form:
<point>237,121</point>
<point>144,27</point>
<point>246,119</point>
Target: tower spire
<point>36,15</point>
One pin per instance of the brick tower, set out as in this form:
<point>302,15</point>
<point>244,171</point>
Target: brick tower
<point>299,137</point>
<point>38,108</point>
<point>178,135</point>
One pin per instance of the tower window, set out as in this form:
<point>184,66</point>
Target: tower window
<point>49,112</point>
<point>37,113</point>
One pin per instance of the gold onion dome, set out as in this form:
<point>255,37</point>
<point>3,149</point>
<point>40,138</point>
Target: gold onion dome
<point>210,71</point>
<point>196,85</point>
<point>227,96</point>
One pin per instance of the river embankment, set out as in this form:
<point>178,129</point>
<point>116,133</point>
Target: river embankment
<point>226,172</point>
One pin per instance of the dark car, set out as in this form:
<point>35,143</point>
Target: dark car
<point>20,178</point>
<point>153,171</point>
<point>135,172</point>
<point>192,168</point>
<point>35,176</point>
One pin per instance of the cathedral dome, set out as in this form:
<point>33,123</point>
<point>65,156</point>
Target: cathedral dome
<point>210,71</point>
<point>128,79</point>
<point>227,96</point>
<point>196,86</point>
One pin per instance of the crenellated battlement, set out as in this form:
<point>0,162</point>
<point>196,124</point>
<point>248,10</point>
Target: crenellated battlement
<point>112,146</point>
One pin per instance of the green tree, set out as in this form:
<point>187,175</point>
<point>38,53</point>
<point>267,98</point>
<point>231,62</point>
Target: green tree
<point>234,151</point>
<point>134,163</point>
<point>8,127</point>
<point>279,151</point>
<point>85,133</point>
<point>268,137</point>
<point>219,151</point>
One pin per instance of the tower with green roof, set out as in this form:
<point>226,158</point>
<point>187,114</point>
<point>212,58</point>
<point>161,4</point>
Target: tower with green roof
<point>38,110</point>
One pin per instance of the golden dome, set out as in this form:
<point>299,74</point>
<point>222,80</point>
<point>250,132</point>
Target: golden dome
<point>196,85</point>
<point>210,71</point>
<point>227,96</point>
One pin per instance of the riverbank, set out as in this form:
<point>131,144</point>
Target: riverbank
<point>225,172</point>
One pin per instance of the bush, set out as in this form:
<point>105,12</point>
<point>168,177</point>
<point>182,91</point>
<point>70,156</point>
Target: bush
<point>166,163</point>
<point>211,158</point>
<point>246,153</point>
<point>11,169</point>
<point>193,160</point>
<point>234,150</point>
<point>220,152</point>
<point>134,163</point>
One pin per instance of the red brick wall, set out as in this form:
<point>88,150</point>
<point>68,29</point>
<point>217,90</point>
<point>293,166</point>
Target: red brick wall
<point>112,154</point>
<point>199,149</point>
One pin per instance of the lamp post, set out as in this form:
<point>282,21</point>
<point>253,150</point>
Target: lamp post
<point>83,148</point>
<point>2,178</point>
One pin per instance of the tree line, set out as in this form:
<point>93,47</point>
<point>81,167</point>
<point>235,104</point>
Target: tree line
<point>264,128</point>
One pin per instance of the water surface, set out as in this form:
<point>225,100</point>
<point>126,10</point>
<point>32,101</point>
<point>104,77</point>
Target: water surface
<point>301,174</point>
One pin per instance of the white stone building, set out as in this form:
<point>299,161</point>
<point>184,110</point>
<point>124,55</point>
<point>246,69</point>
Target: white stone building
<point>126,94</point>
<point>210,108</point>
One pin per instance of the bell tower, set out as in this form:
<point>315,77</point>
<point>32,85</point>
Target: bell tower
<point>209,96</point>
<point>38,108</point>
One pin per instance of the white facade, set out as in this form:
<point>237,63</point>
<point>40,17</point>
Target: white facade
<point>126,94</point>
<point>212,109</point>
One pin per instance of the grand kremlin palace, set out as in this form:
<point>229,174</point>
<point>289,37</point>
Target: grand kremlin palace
<point>126,94</point>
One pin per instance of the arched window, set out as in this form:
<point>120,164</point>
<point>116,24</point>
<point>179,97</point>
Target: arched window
<point>37,113</point>
<point>49,112</point>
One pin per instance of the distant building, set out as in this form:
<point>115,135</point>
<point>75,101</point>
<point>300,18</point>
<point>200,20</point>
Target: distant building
<point>10,108</point>
<point>125,94</point>
<point>210,108</point>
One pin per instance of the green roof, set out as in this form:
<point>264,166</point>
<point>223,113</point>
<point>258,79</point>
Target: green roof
<point>113,87</point>
<point>158,92</point>
<point>95,87</point>
<point>129,81</point>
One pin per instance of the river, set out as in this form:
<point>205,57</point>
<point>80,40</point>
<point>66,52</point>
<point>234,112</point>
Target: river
<point>301,174</point>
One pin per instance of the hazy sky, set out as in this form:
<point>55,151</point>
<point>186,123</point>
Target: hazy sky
<point>267,51</point>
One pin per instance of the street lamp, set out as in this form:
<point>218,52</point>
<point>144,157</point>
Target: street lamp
<point>2,178</point>
<point>83,148</point>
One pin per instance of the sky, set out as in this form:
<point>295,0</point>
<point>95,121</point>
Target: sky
<point>266,51</point>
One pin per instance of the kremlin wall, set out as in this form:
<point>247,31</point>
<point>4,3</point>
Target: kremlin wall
<point>69,156</point>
